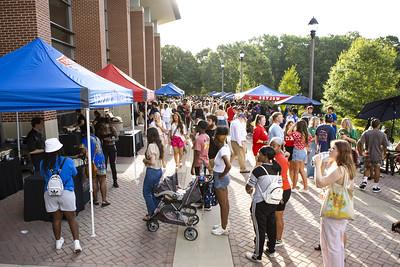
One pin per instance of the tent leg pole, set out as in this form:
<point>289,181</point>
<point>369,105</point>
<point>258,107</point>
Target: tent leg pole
<point>145,118</point>
<point>134,140</point>
<point>18,137</point>
<point>89,156</point>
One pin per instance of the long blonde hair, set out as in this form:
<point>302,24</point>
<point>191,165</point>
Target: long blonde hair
<point>346,124</point>
<point>314,121</point>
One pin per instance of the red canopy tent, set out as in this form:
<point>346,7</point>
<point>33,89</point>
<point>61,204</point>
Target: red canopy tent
<point>140,93</point>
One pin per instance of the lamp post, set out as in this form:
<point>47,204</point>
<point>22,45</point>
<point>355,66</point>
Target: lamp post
<point>241,56</point>
<point>222,76</point>
<point>313,27</point>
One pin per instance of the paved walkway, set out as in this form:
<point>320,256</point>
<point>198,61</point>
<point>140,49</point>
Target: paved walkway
<point>123,240</point>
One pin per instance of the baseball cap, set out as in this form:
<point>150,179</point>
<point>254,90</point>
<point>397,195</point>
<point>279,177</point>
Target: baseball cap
<point>52,145</point>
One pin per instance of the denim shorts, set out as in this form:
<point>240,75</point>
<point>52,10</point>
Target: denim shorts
<point>299,155</point>
<point>220,183</point>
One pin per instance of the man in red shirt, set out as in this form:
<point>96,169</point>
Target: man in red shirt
<point>231,111</point>
<point>276,144</point>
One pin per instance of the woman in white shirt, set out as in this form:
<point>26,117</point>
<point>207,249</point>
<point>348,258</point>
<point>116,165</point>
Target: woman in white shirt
<point>221,170</point>
<point>154,161</point>
<point>166,113</point>
<point>178,138</point>
<point>222,116</point>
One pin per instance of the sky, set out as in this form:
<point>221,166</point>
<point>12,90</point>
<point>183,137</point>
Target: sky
<point>209,23</point>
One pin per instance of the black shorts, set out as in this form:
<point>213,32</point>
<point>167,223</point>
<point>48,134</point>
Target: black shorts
<point>290,150</point>
<point>285,199</point>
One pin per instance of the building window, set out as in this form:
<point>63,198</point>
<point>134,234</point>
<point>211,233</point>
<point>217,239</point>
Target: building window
<point>62,36</point>
<point>106,30</point>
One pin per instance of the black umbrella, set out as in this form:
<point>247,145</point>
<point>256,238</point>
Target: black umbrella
<point>384,110</point>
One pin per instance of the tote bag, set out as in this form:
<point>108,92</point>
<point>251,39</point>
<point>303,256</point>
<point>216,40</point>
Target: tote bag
<point>338,203</point>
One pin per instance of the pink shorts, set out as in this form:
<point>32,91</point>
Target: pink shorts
<point>176,141</point>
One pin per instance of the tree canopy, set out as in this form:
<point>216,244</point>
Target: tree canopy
<point>290,83</point>
<point>266,59</point>
<point>364,73</point>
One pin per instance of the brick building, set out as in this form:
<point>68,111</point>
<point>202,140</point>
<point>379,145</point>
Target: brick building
<point>91,32</point>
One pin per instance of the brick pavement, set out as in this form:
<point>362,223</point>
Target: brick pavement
<point>370,241</point>
<point>123,240</point>
<point>122,237</point>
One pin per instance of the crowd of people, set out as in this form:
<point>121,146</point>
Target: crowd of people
<point>312,145</point>
<point>285,145</point>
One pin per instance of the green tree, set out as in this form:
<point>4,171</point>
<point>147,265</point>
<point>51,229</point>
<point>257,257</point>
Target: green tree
<point>180,68</point>
<point>364,73</point>
<point>290,83</point>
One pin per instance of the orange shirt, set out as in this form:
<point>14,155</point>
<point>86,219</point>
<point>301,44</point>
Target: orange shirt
<point>283,162</point>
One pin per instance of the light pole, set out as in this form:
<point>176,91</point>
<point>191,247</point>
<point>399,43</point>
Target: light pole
<point>222,76</point>
<point>241,56</point>
<point>313,27</point>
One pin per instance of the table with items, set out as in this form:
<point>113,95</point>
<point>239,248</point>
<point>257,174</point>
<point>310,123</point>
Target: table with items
<point>392,161</point>
<point>125,143</point>
<point>34,207</point>
<point>10,175</point>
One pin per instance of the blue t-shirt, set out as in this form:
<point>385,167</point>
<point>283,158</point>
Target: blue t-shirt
<point>68,172</point>
<point>325,134</point>
<point>333,116</point>
<point>95,151</point>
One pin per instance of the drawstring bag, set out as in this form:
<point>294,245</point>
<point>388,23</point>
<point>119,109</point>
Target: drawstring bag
<point>338,203</point>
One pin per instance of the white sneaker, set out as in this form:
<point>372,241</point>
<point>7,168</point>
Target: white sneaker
<point>59,243</point>
<point>305,191</point>
<point>77,246</point>
<point>251,257</point>
<point>220,231</point>
<point>216,226</point>
<point>279,243</point>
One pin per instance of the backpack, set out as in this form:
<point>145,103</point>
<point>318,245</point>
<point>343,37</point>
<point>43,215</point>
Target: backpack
<point>274,192</point>
<point>55,186</point>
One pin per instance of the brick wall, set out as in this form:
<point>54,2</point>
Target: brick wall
<point>119,34</point>
<point>138,46</point>
<point>157,60</point>
<point>27,116</point>
<point>22,21</point>
<point>149,41</point>
<point>89,27</point>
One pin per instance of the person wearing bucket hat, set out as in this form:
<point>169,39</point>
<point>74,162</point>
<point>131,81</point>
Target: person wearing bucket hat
<point>63,203</point>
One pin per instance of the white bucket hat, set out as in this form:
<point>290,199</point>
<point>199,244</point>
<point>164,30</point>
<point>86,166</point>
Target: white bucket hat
<point>52,145</point>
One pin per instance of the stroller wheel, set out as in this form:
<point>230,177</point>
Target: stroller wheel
<point>195,219</point>
<point>152,226</point>
<point>190,234</point>
<point>189,210</point>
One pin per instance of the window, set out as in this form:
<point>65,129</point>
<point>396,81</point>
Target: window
<point>106,31</point>
<point>62,36</point>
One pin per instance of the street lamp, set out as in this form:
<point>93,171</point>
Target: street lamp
<point>313,27</point>
<point>241,56</point>
<point>222,76</point>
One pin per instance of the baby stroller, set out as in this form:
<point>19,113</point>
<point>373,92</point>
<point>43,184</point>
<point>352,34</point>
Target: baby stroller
<point>175,206</point>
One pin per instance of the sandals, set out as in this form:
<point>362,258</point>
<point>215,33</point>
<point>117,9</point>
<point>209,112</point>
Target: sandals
<point>96,202</point>
<point>146,218</point>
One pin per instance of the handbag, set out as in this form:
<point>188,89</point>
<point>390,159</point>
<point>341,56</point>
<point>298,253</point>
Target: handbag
<point>338,203</point>
<point>94,170</point>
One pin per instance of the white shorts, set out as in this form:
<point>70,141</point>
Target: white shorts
<point>65,202</point>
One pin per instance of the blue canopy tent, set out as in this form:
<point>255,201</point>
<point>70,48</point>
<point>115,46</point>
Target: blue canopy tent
<point>298,100</point>
<point>38,77</point>
<point>211,93</point>
<point>262,92</point>
<point>169,89</point>
<point>228,96</point>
